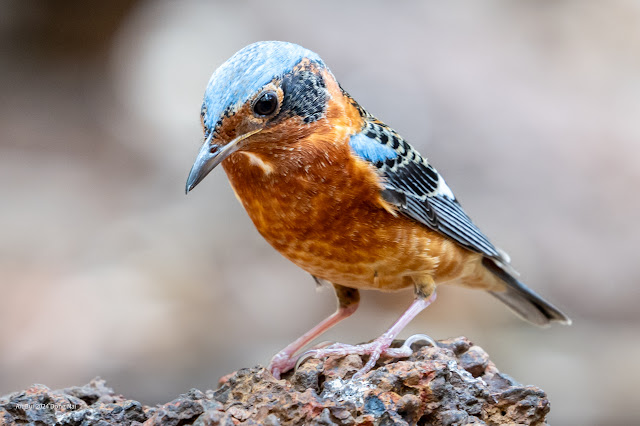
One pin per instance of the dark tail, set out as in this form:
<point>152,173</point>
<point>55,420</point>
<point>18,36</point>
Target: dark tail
<point>524,301</point>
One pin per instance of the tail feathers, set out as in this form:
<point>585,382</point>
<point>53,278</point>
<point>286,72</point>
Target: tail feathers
<point>523,301</point>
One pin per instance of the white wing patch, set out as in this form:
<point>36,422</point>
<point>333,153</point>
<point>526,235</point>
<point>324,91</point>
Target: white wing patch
<point>444,189</point>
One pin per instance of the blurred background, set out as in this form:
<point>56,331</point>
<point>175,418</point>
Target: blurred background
<point>530,110</point>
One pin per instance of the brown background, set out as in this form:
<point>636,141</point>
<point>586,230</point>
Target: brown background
<point>530,110</point>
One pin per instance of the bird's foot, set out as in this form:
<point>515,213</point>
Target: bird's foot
<point>281,363</point>
<point>285,361</point>
<point>380,346</point>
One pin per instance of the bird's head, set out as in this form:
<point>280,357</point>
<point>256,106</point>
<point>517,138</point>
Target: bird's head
<point>261,92</point>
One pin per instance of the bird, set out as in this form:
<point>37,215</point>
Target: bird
<point>343,196</point>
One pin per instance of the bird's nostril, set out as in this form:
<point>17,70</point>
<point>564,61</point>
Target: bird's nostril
<point>214,149</point>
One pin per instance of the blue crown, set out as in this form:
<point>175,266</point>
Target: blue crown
<point>246,72</point>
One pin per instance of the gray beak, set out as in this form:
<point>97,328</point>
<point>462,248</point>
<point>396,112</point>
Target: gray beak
<point>210,156</point>
<point>207,159</point>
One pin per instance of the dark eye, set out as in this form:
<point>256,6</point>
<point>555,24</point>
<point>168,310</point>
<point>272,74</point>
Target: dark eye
<point>266,104</point>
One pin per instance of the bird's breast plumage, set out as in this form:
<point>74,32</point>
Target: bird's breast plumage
<point>328,218</point>
<point>321,207</point>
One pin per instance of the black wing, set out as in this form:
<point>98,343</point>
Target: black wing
<point>417,189</point>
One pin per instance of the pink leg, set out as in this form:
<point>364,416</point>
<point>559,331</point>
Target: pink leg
<point>381,344</point>
<point>285,359</point>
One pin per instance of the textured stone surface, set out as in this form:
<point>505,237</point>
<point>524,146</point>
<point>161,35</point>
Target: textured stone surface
<point>454,384</point>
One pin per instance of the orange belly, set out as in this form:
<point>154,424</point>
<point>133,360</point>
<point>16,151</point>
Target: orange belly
<point>330,222</point>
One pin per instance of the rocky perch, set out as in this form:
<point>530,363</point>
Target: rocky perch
<point>453,384</point>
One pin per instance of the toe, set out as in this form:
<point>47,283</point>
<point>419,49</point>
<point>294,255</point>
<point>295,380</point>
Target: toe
<point>281,363</point>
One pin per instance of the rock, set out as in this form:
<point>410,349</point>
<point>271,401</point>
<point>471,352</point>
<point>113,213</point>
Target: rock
<point>453,384</point>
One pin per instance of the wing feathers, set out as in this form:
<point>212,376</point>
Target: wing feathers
<point>417,189</point>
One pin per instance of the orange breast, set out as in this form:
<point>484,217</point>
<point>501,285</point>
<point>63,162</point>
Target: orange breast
<point>327,216</point>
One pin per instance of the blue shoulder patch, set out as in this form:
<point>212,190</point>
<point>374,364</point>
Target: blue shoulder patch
<point>246,72</point>
<point>370,149</point>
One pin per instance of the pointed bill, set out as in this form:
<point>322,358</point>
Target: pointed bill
<point>210,156</point>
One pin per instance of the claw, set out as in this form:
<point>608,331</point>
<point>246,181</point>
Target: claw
<point>302,358</point>
<point>419,338</point>
<point>309,354</point>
